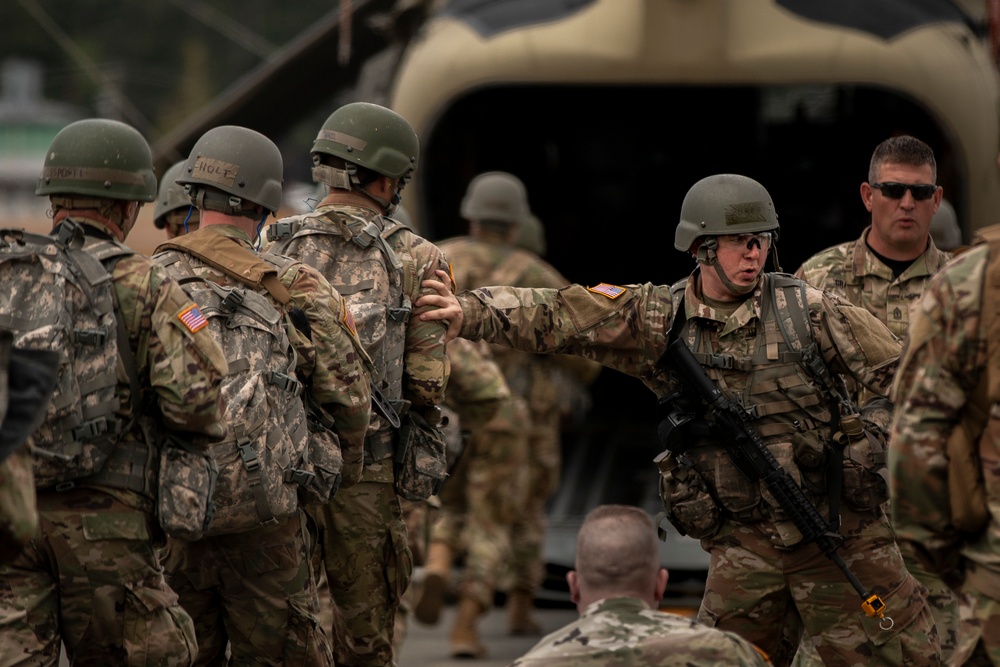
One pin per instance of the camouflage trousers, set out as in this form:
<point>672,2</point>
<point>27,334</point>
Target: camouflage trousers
<point>91,579</point>
<point>368,565</point>
<point>757,591</point>
<point>18,508</point>
<point>483,499</point>
<point>418,517</point>
<point>528,532</point>
<point>253,593</point>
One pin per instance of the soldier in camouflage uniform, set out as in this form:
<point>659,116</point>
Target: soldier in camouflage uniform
<point>617,585</point>
<point>91,578</point>
<point>495,205</point>
<point>365,153</point>
<point>946,391</point>
<point>886,271</point>
<point>754,333</point>
<point>27,380</point>
<point>267,569</point>
<point>483,498</point>
<point>173,212</point>
<point>945,232</point>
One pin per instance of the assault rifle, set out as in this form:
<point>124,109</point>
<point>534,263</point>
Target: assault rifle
<point>755,461</point>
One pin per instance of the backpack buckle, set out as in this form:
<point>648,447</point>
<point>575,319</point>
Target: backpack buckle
<point>94,337</point>
<point>247,453</point>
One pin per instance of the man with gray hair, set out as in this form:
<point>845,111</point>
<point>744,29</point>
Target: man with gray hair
<point>617,585</point>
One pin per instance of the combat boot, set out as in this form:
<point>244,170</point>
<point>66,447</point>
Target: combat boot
<point>519,620</point>
<point>437,578</point>
<point>465,637</point>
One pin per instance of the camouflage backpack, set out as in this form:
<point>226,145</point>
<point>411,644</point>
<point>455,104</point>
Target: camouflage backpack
<point>58,296</point>
<point>261,461</point>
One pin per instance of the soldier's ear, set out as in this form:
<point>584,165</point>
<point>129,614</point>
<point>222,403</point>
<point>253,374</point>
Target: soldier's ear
<point>661,585</point>
<point>574,586</point>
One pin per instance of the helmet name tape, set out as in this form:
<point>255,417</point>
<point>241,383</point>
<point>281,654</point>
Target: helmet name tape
<point>91,174</point>
<point>215,171</point>
<point>745,213</point>
<point>341,138</point>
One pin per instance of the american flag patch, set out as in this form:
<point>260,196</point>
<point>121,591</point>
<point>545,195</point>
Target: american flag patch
<point>610,291</point>
<point>349,321</point>
<point>192,318</point>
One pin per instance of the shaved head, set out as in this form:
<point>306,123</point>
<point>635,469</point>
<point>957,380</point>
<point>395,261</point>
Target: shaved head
<point>617,552</point>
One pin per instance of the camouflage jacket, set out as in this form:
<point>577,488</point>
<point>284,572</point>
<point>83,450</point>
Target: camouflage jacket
<point>851,270</point>
<point>943,362</point>
<point>330,361</point>
<point>368,277</point>
<point>627,631</point>
<point>179,371</point>
<point>476,386</point>
<point>625,328</point>
<point>482,262</point>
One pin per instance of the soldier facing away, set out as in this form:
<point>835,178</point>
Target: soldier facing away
<point>945,439</point>
<point>91,577</point>
<point>759,338</point>
<point>252,590</point>
<point>364,154</point>
<point>617,585</point>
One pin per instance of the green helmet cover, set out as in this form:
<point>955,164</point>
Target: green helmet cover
<point>371,136</point>
<point>171,196</point>
<point>238,161</point>
<point>99,158</point>
<point>724,204</point>
<point>496,195</point>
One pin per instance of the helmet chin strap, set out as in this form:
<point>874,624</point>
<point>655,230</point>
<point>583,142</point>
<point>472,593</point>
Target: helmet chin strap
<point>706,255</point>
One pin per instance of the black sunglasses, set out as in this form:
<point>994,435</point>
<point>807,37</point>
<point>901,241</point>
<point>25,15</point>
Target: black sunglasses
<point>894,190</point>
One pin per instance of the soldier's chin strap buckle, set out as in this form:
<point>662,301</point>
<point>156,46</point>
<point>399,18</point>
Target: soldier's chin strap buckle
<point>874,607</point>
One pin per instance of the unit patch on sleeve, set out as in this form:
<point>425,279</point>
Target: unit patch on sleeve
<point>192,318</point>
<point>610,291</point>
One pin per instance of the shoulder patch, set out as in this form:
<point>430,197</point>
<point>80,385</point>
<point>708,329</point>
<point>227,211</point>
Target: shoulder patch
<point>349,320</point>
<point>610,291</point>
<point>192,318</point>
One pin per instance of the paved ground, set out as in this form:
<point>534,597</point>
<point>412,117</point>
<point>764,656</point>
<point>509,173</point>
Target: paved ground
<point>428,646</point>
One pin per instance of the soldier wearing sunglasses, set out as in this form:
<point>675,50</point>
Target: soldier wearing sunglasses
<point>886,271</point>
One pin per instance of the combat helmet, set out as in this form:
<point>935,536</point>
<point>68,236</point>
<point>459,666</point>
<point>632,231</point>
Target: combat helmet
<point>496,196</point>
<point>720,205</point>
<point>944,227</point>
<point>171,196</point>
<point>724,204</point>
<point>230,165</point>
<point>367,135</point>
<point>98,157</point>
<point>531,235</point>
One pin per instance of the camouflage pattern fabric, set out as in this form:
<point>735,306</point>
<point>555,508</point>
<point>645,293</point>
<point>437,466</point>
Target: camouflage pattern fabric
<point>104,539</point>
<point>627,631</point>
<point>482,499</point>
<point>216,575</point>
<point>418,517</point>
<point>488,259</point>
<point>18,507</point>
<point>363,537</point>
<point>625,328</point>
<point>851,270</point>
<point>254,592</point>
<point>944,359</point>
<point>107,602</point>
<point>368,565</point>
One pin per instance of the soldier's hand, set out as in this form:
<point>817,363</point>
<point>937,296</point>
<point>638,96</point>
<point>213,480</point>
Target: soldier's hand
<point>445,305</point>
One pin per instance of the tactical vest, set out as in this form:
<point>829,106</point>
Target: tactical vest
<point>369,273</point>
<point>62,298</point>
<point>788,394</point>
<point>263,461</point>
